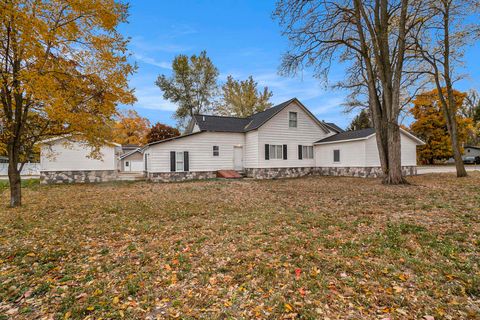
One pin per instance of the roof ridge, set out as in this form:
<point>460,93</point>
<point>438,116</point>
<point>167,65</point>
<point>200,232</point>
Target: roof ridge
<point>219,116</point>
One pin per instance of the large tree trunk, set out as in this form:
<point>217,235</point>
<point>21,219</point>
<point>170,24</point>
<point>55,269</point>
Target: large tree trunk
<point>394,175</point>
<point>15,185</point>
<point>452,130</point>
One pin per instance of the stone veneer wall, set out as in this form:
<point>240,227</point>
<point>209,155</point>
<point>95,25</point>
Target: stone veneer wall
<point>363,172</point>
<point>80,176</point>
<point>275,173</point>
<point>180,176</point>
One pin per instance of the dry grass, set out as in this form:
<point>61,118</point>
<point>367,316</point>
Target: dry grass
<point>310,248</point>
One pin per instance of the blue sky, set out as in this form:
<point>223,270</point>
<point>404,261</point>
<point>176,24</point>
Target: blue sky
<point>241,39</point>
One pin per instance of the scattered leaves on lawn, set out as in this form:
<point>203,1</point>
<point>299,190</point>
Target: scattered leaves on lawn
<point>310,248</point>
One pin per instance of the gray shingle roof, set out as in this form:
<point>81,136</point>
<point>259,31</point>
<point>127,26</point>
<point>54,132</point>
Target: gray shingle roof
<point>236,124</point>
<point>334,127</point>
<point>349,135</point>
<point>255,121</point>
<point>221,124</point>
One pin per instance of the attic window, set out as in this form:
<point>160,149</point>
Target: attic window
<point>292,119</point>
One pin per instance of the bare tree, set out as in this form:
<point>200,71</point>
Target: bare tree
<point>369,35</point>
<point>439,40</point>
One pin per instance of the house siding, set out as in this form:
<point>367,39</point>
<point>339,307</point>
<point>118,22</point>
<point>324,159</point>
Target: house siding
<point>252,150</point>
<point>200,148</point>
<point>352,154</point>
<point>62,155</point>
<point>277,131</point>
<point>408,150</point>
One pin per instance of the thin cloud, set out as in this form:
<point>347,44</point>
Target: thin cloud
<point>153,62</point>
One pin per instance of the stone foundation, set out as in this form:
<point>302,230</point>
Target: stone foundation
<point>180,176</point>
<point>362,172</point>
<point>276,173</point>
<point>81,176</point>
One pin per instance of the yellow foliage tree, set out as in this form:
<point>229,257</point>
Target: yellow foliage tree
<point>131,128</point>
<point>431,127</point>
<point>64,70</point>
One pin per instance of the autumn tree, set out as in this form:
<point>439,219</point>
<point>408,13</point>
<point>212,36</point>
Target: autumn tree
<point>430,126</point>
<point>439,41</point>
<point>471,109</point>
<point>64,70</point>
<point>369,35</point>
<point>131,128</point>
<point>192,85</point>
<point>241,98</point>
<point>160,132</point>
<point>361,121</point>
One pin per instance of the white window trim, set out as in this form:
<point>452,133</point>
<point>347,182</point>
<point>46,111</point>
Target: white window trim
<point>218,151</point>
<point>181,153</point>
<point>275,147</point>
<point>305,152</point>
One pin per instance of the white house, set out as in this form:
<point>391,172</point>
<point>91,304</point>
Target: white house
<point>66,159</point>
<point>284,141</point>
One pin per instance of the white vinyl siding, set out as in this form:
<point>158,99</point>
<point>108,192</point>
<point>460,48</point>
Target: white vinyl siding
<point>252,150</point>
<point>199,147</point>
<point>352,154</point>
<point>362,153</point>
<point>408,149</point>
<point>61,155</point>
<point>276,132</point>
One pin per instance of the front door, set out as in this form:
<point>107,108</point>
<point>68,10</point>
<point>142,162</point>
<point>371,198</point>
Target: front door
<point>238,158</point>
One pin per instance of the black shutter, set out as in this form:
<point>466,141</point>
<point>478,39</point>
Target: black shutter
<point>185,161</point>
<point>300,152</point>
<point>172,161</point>
<point>267,152</point>
<point>284,152</point>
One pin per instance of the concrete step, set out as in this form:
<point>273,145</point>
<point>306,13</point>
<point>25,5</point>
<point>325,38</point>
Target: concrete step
<point>131,176</point>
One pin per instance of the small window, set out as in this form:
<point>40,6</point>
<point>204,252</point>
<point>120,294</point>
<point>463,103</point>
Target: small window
<point>336,155</point>
<point>276,151</point>
<point>307,152</point>
<point>127,163</point>
<point>179,161</point>
<point>292,119</point>
<point>216,151</point>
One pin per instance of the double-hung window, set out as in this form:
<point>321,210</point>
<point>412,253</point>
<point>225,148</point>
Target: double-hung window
<point>307,152</point>
<point>179,161</point>
<point>276,151</point>
<point>292,119</point>
<point>216,151</point>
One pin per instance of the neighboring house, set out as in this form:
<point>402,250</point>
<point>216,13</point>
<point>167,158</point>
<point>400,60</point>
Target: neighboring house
<point>471,151</point>
<point>64,159</point>
<point>284,141</point>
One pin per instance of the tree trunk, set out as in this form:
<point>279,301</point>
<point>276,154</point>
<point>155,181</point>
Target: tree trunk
<point>394,175</point>
<point>457,155</point>
<point>15,185</point>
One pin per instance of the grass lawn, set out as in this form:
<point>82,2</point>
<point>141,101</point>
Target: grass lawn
<point>310,248</point>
